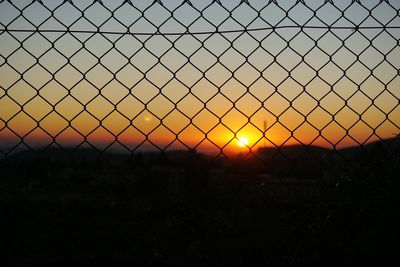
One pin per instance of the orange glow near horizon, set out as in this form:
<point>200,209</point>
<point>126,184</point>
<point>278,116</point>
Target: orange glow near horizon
<point>220,137</point>
<point>160,124</point>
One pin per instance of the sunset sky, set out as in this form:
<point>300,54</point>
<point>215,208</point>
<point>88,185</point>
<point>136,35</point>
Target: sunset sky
<point>203,90</point>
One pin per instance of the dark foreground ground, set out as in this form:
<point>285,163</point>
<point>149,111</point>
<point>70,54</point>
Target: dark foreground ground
<point>86,213</point>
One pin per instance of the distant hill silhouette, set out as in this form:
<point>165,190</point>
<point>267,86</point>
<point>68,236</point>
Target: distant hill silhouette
<point>306,152</point>
<point>296,160</point>
<point>293,151</point>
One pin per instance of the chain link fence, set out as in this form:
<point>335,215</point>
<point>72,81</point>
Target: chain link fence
<point>288,83</point>
<point>219,77</point>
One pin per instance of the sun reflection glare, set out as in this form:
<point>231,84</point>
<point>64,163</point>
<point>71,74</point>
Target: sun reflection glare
<point>243,141</point>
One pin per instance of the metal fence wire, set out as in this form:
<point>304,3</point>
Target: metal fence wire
<point>219,77</point>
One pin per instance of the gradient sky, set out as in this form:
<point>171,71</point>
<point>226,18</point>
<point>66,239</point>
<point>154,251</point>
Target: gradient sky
<point>178,89</point>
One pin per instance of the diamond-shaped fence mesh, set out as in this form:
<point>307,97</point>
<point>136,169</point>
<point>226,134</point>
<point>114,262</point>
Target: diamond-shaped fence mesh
<point>220,77</point>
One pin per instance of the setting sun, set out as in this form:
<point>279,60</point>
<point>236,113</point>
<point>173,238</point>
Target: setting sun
<point>243,141</point>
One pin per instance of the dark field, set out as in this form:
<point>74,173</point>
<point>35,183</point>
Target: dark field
<point>183,209</point>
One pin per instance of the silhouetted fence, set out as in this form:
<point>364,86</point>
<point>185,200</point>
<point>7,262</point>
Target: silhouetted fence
<point>221,77</point>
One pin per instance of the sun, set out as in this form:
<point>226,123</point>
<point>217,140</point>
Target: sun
<point>243,141</point>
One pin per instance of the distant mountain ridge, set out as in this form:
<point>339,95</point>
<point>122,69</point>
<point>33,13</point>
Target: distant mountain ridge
<point>292,152</point>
